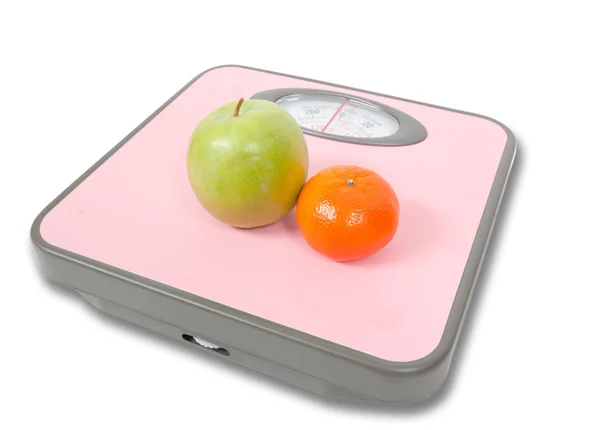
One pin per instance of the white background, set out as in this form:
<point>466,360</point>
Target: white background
<point>76,78</point>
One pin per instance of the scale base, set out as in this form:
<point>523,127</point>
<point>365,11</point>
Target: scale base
<point>304,381</point>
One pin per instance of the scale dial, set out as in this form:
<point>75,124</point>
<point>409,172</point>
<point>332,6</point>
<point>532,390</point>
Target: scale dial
<point>347,118</point>
<point>339,115</point>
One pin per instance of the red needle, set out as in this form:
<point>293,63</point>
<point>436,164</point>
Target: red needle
<point>335,114</point>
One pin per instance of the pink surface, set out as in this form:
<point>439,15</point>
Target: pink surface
<point>137,212</point>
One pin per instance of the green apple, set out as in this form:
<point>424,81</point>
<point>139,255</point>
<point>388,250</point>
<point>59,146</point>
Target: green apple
<point>247,162</point>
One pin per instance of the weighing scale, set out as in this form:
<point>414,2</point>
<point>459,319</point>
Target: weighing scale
<point>130,236</point>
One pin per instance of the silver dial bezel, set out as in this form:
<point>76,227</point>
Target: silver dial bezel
<point>410,131</point>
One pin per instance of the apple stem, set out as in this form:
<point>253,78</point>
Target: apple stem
<point>236,112</point>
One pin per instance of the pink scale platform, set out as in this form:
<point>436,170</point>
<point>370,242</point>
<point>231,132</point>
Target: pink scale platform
<point>131,237</point>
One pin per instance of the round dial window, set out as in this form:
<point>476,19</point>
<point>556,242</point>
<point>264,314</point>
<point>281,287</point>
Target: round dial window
<point>340,116</point>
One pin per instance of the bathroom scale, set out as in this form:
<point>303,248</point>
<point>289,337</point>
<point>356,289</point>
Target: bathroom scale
<point>131,237</point>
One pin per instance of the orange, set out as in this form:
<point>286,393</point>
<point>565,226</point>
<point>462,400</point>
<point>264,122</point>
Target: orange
<point>347,213</point>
